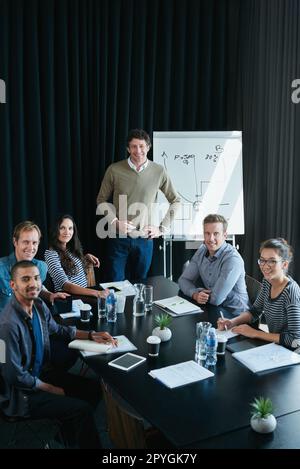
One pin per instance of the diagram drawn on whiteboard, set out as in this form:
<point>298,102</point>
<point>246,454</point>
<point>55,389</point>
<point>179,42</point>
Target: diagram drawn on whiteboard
<point>206,170</point>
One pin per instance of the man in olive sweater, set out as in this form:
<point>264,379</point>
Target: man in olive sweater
<point>133,185</point>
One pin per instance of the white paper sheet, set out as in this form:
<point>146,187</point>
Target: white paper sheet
<point>124,286</point>
<point>181,374</point>
<point>267,357</point>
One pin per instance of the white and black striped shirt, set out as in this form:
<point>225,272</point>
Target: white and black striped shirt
<point>282,313</point>
<point>58,274</point>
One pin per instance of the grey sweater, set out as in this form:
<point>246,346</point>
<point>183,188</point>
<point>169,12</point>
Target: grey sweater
<point>15,378</point>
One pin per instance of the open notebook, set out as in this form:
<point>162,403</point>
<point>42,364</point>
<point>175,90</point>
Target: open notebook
<point>89,347</point>
<point>177,306</point>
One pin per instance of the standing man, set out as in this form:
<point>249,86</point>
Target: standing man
<point>30,386</point>
<point>216,273</point>
<point>26,240</point>
<point>133,185</point>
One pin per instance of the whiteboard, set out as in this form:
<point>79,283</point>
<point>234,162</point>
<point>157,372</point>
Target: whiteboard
<point>206,170</point>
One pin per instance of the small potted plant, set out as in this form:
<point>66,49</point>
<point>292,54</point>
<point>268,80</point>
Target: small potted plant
<point>162,331</point>
<point>262,420</point>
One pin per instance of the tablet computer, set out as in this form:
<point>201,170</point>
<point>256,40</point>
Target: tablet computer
<point>127,362</point>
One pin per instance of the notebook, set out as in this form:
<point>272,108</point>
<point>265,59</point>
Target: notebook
<point>177,306</point>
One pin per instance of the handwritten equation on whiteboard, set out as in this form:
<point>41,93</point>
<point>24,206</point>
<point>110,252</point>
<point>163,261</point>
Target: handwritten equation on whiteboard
<point>207,174</point>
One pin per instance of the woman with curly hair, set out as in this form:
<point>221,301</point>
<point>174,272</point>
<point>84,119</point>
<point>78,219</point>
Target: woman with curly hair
<point>67,265</point>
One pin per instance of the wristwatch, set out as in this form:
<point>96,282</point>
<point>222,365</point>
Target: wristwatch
<point>90,337</point>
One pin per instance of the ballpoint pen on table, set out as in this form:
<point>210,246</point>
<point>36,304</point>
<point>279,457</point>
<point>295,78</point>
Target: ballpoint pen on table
<point>222,316</point>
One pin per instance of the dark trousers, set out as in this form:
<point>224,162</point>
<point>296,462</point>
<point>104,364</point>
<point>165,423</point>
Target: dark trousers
<point>74,411</point>
<point>129,258</point>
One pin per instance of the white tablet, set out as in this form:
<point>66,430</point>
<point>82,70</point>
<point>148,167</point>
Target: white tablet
<point>127,362</point>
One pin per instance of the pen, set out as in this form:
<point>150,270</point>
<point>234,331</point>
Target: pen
<point>179,303</point>
<point>222,316</point>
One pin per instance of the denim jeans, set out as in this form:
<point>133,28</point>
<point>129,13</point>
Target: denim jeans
<point>129,258</point>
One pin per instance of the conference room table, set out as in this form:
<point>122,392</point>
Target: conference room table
<point>212,413</point>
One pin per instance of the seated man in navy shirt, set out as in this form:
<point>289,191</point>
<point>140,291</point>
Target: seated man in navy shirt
<point>216,273</point>
<point>30,386</point>
<point>26,240</point>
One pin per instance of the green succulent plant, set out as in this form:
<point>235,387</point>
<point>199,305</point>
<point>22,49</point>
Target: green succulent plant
<point>262,407</point>
<point>162,320</point>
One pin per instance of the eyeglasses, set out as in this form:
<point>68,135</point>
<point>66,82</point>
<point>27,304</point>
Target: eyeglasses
<point>269,262</point>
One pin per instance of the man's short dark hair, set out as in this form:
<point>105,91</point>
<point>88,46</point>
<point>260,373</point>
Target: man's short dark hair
<point>140,134</point>
<point>215,218</point>
<point>20,265</point>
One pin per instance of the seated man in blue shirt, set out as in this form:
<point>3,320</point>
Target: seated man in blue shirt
<point>30,385</point>
<point>216,273</point>
<point>26,240</point>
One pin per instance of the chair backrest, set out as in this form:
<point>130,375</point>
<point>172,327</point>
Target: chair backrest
<point>253,287</point>
<point>91,279</point>
<point>127,430</point>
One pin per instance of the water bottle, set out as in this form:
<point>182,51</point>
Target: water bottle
<point>111,310</point>
<point>211,347</point>
<point>202,329</point>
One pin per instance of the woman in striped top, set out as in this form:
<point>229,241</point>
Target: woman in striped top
<point>66,263</point>
<point>279,299</point>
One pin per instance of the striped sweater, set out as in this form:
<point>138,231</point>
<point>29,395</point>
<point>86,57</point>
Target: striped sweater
<point>282,313</point>
<point>57,273</point>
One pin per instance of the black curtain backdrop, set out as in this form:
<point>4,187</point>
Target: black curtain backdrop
<point>80,74</point>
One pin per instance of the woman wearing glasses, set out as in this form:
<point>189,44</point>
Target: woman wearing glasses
<point>279,299</point>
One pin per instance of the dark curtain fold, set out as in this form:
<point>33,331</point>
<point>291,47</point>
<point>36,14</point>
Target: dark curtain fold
<point>79,74</point>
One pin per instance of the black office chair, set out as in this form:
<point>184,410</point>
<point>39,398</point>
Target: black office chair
<point>127,430</point>
<point>253,288</point>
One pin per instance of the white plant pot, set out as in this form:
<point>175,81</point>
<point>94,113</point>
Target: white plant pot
<point>265,425</point>
<point>164,334</point>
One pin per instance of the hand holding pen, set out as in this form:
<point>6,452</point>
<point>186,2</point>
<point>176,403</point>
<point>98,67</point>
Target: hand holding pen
<point>224,323</point>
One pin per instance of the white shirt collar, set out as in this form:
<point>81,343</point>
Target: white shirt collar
<point>144,166</point>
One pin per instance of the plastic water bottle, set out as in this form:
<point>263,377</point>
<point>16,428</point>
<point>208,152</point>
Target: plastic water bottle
<point>111,310</point>
<point>202,329</point>
<point>211,347</point>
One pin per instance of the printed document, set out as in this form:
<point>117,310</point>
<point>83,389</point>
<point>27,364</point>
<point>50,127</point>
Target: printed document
<point>181,374</point>
<point>124,286</point>
<point>267,357</point>
<point>177,306</point>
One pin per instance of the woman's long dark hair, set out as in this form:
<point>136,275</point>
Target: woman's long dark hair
<point>73,246</point>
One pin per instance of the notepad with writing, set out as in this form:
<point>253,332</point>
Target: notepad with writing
<point>181,374</point>
<point>89,347</point>
<point>267,357</point>
<point>177,306</point>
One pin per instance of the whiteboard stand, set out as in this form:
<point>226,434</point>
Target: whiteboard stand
<point>168,242</point>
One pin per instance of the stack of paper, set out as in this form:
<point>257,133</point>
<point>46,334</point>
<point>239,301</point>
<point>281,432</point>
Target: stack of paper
<point>181,374</point>
<point>124,286</point>
<point>88,347</point>
<point>267,357</point>
<point>177,306</point>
